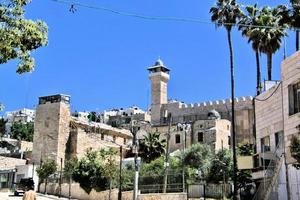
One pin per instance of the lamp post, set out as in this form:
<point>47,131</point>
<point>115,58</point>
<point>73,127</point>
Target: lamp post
<point>136,167</point>
<point>120,170</point>
<point>167,154</point>
<point>186,127</point>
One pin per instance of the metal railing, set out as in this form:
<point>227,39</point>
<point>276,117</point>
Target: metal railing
<point>270,174</point>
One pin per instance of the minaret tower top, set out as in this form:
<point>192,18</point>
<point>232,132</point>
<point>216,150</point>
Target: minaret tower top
<point>159,76</point>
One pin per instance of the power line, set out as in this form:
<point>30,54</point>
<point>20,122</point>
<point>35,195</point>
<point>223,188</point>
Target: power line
<point>265,99</point>
<point>72,5</point>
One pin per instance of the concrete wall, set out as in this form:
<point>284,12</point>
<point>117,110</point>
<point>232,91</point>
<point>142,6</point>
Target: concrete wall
<point>78,193</point>
<point>160,196</point>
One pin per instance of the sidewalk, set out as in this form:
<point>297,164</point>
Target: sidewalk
<point>48,196</point>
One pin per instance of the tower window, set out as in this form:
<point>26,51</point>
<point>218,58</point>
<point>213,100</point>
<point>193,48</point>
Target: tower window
<point>265,144</point>
<point>200,137</point>
<point>294,98</point>
<point>177,139</point>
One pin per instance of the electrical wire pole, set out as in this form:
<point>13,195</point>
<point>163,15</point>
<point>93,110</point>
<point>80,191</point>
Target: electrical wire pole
<point>167,156</point>
<point>120,174</point>
<point>136,167</point>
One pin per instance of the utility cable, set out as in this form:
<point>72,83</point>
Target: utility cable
<point>73,9</point>
<point>265,99</point>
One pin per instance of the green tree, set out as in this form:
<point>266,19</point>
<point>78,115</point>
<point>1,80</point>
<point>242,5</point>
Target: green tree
<point>295,19</point>
<point>295,149</point>
<point>226,13</point>
<point>94,117</point>
<point>246,27</point>
<point>19,36</point>
<point>110,169</point>
<point>246,149</point>
<point>46,169</point>
<point>271,34</point>
<point>151,147</point>
<point>222,167</point>
<point>96,170</point>
<point>22,131</point>
<point>199,158</point>
<point>2,126</point>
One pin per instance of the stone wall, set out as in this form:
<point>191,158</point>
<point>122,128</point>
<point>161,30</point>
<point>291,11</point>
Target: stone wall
<point>269,118</point>
<point>51,131</point>
<point>290,73</point>
<point>160,196</point>
<point>78,193</point>
<point>186,113</point>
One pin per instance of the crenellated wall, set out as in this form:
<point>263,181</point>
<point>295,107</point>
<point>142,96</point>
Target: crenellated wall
<point>186,113</point>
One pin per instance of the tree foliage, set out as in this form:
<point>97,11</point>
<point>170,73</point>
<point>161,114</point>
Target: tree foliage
<point>22,131</point>
<point>94,117</point>
<point>95,169</point>
<point>295,149</point>
<point>151,147</point>
<point>2,126</point>
<point>198,157</point>
<point>20,36</point>
<point>46,169</point>
<point>221,167</point>
<point>246,150</point>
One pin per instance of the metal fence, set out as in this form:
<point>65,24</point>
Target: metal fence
<point>216,191</point>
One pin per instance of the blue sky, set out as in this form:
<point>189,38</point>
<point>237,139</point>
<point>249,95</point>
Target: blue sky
<point>100,58</point>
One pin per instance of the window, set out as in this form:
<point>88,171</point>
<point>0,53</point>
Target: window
<point>278,138</point>
<point>294,98</point>
<point>265,144</point>
<point>177,139</point>
<point>200,137</point>
<point>102,136</point>
<point>124,140</point>
<point>114,138</point>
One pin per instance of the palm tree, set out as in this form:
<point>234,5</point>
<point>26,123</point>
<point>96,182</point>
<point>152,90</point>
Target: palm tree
<point>246,26</point>
<point>295,19</point>
<point>151,147</point>
<point>226,13</point>
<point>271,32</point>
<point>2,126</point>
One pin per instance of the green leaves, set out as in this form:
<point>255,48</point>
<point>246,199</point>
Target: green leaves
<point>226,13</point>
<point>295,150</point>
<point>46,169</point>
<point>22,131</point>
<point>94,170</point>
<point>151,147</point>
<point>19,36</point>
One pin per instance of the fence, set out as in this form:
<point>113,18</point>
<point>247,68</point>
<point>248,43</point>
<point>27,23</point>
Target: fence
<point>154,184</point>
<point>216,191</point>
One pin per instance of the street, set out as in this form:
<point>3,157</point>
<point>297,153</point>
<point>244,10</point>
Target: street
<point>10,196</point>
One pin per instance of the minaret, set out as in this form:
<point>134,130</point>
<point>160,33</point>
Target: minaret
<point>159,76</point>
<point>51,128</point>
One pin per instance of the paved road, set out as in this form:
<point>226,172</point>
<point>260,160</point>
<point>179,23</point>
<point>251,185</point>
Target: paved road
<point>10,196</point>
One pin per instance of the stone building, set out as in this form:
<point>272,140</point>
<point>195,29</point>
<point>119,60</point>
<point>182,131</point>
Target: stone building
<point>277,116</point>
<point>183,113</point>
<point>58,136</point>
<point>214,132</point>
<point>21,116</point>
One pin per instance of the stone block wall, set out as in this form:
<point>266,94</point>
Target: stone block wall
<point>290,73</point>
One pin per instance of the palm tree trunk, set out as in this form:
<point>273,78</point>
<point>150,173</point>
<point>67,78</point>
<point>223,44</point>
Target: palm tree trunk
<point>258,88</point>
<point>269,58</point>
<point>232,115</point>
<point>45,192</point>
<point>297,40</point>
